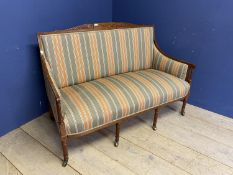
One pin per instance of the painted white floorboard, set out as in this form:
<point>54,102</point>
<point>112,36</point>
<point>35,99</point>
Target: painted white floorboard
<point>217,133</point>
<point>135,158</point>
<point>195,141</point>
<point>30,157</point>
<point>6,168</point>
<point>205,115</point>
<point>82,157</point>
<point>183,157</point>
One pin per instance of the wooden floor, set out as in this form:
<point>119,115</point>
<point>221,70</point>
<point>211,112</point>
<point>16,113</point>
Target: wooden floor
<point>199,143</point>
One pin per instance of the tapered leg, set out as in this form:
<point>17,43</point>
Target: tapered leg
<point>51,113</point>
<point>65,151</point>
<point>64,140</point>
<point>116,143</point>
<point>156,114</point>
<point>184,105</point>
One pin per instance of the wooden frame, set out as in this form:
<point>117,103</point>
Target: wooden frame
<point>56,95</point>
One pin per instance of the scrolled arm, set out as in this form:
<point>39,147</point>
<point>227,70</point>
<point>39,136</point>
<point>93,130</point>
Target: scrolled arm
<point>179,68</point>
<point>191,65</point>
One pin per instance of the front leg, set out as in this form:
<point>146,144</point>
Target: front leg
<point>156,114</point>
<point>116,143</point>
<point>65,151</point>
<point>64,140</point>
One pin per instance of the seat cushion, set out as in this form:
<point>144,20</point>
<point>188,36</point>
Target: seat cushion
<point>98,102</point>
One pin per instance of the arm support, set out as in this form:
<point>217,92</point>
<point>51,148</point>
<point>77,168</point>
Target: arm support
<point>53,92</point>
<point>173,66</point>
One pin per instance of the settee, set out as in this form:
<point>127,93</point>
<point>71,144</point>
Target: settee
<point>98,75</point>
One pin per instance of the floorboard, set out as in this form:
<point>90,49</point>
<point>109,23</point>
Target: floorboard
<point>30,157</point>
<point>214,132</point>
<point>7,168</point>
<point>205,115</point>
<point>134,157</point>
<point>202,144</point>
<point>82,156</point>
<point>183,157</point>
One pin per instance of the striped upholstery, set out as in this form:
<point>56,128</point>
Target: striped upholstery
<point>79,57</point>
<point>52,99</point>
<point>165,64</point>
<point>94,103</point>
<point>49,90</point>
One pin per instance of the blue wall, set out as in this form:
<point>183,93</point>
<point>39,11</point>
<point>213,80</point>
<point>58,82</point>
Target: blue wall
<point>198,31</point>
<point>22,94</point>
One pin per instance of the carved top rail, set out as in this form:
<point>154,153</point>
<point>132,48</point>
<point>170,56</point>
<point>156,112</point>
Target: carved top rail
<point>97,26</point>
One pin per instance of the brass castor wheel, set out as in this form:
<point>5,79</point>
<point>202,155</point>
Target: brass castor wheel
<point>116,144</point>
<point>64,163</point>
<point>182,113</point>
<point>154,128</point>
<point>51,118</point>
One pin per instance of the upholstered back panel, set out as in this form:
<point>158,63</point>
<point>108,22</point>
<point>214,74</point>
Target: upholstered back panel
<point>78,57</point>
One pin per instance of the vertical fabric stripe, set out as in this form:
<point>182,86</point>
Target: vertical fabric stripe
<point>110,97</point>
<point>78,58</point>
<point>110,54</point>
<point>129,50</point>
<point>104,105</point>
<point>124,58</point>
<point>136,50</point>
<point>119,95</point>
<point>66,50</point>
<point>61,60</point>
<point>94,54</point>
<point>52,62</point>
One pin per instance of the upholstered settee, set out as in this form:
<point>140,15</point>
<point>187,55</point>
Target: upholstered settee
<point>98,75</point>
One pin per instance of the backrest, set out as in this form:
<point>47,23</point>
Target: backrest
<point>80,56</point>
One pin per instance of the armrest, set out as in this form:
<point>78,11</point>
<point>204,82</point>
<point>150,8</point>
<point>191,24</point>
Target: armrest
<point>171,65</point>
<point>191,65</point>
<point>52,90</point>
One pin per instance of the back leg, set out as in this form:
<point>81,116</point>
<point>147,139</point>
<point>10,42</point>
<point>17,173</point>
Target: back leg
<point>184,105</point>
<point>51,113</point>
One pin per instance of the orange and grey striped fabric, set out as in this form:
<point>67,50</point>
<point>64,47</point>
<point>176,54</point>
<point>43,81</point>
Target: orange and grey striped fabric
<point>98,102</point>
<point>79,57</point>
<point>49,90</point>
<point>165,64</point>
